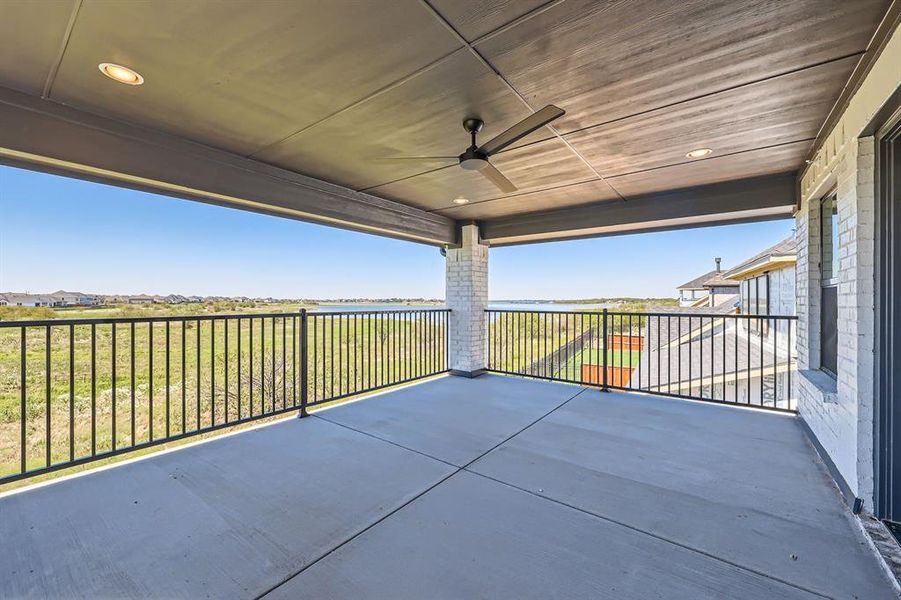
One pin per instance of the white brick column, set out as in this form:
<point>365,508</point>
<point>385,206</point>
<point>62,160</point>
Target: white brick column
<point>466,287</point>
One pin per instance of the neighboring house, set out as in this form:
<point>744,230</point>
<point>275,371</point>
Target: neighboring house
<point>711,289</point>
<point>746,360</point>
<point>714,357</point>
<point>767,280</point>
<point>14,299</point>
<point>64,298</point>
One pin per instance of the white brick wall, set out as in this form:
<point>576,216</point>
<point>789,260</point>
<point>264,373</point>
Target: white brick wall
<point>466,288</point>
<point>843,420</point>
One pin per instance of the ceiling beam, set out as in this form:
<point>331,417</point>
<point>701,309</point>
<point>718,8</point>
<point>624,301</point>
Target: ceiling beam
<point>740,201</point>
<point>43,135</point>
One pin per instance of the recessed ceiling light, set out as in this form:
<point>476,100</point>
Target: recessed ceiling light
<point>121,74</point>
<point>699,152</point>
<point>460,201</point>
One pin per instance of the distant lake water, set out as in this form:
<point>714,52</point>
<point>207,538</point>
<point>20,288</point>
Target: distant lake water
<point>538,306</point>
<point>355,307</point>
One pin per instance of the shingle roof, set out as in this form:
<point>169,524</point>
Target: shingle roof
<point>713,278</point>
<point>787,247</point>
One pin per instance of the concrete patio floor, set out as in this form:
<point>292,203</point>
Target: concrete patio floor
<point>492,487</point>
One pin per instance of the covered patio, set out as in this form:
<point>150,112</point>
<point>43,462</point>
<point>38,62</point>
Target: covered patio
<point>599,118</point>
<point>453,487</point>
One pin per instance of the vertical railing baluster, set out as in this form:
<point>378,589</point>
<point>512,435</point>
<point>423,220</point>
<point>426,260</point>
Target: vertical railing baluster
<point>113,377</point>
<point>262,365</point>
<point>304,371</point>
<point>23,409</point>
<point>691,365</point>
<point>669,355</point>
<point>225,419</point>
<point>197,368</point>
<point>212,372</point>
<point>48,382</point>
<point>701,357</point>
<point>760,322</point>
<point>184,377</point>
<point>150,378</point>
<point>774,327</point>
<point>748,365</point>
<point>168,382</point>
<point>250,365</point>
<point>737,324</point>
<point>788,363</point>
<point>331,356</point>
<point>604,352</point>
<point>93,389</point>
<point>724,359</point>
<point>272,351</point>
<point>294,333</point>
<point>71,392</point>
<point>131,376</point>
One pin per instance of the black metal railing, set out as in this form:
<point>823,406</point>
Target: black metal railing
<point>78,390</point>
<point>355,352</point>
<point>736,359</point>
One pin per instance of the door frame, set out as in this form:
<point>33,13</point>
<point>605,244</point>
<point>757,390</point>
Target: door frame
<point>887,416</point>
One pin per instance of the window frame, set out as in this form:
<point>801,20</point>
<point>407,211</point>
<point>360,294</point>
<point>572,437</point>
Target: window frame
<point>829,287</point>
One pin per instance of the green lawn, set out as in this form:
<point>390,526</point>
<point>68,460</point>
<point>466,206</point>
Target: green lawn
<point>594,356</point>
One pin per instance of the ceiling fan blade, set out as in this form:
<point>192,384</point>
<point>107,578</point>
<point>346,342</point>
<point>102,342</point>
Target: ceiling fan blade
<point>417,158</point>
<point>535,121</point>
<point>497,178</point>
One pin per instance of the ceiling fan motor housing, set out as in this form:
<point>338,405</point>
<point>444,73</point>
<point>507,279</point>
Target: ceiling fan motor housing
<point>473,160</point>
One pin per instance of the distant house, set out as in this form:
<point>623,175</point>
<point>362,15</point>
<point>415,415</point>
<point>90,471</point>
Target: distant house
<point>141,299</point>
<point>712,289</point>
<point>64,298</point>
<point>36,300</point>
<point>767,280</point>
<point>175,299</point>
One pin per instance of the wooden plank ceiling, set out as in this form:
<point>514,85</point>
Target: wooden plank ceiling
<point>335,89</point>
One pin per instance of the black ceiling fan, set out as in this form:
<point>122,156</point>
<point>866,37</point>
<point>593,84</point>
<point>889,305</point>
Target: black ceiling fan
<point>475,158</point>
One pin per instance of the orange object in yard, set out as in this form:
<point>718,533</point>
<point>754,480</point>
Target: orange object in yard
<point>616,376</point>
<point>625,342</point>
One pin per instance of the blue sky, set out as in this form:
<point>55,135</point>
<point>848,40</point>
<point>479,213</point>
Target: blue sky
<point>60,233</point>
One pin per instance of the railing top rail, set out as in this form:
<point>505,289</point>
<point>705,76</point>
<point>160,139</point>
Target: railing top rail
<point>211,317</point>
<point>555,312</point>
<point>706,315</point>
<point>376,312</point>
<point>614,313</point>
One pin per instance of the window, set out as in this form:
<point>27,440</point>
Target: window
<point>763,289</point>
<point>829,284</point>
<point>755,293</point>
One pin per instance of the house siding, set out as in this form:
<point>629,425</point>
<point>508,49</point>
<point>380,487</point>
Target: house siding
<point>782,291</point>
